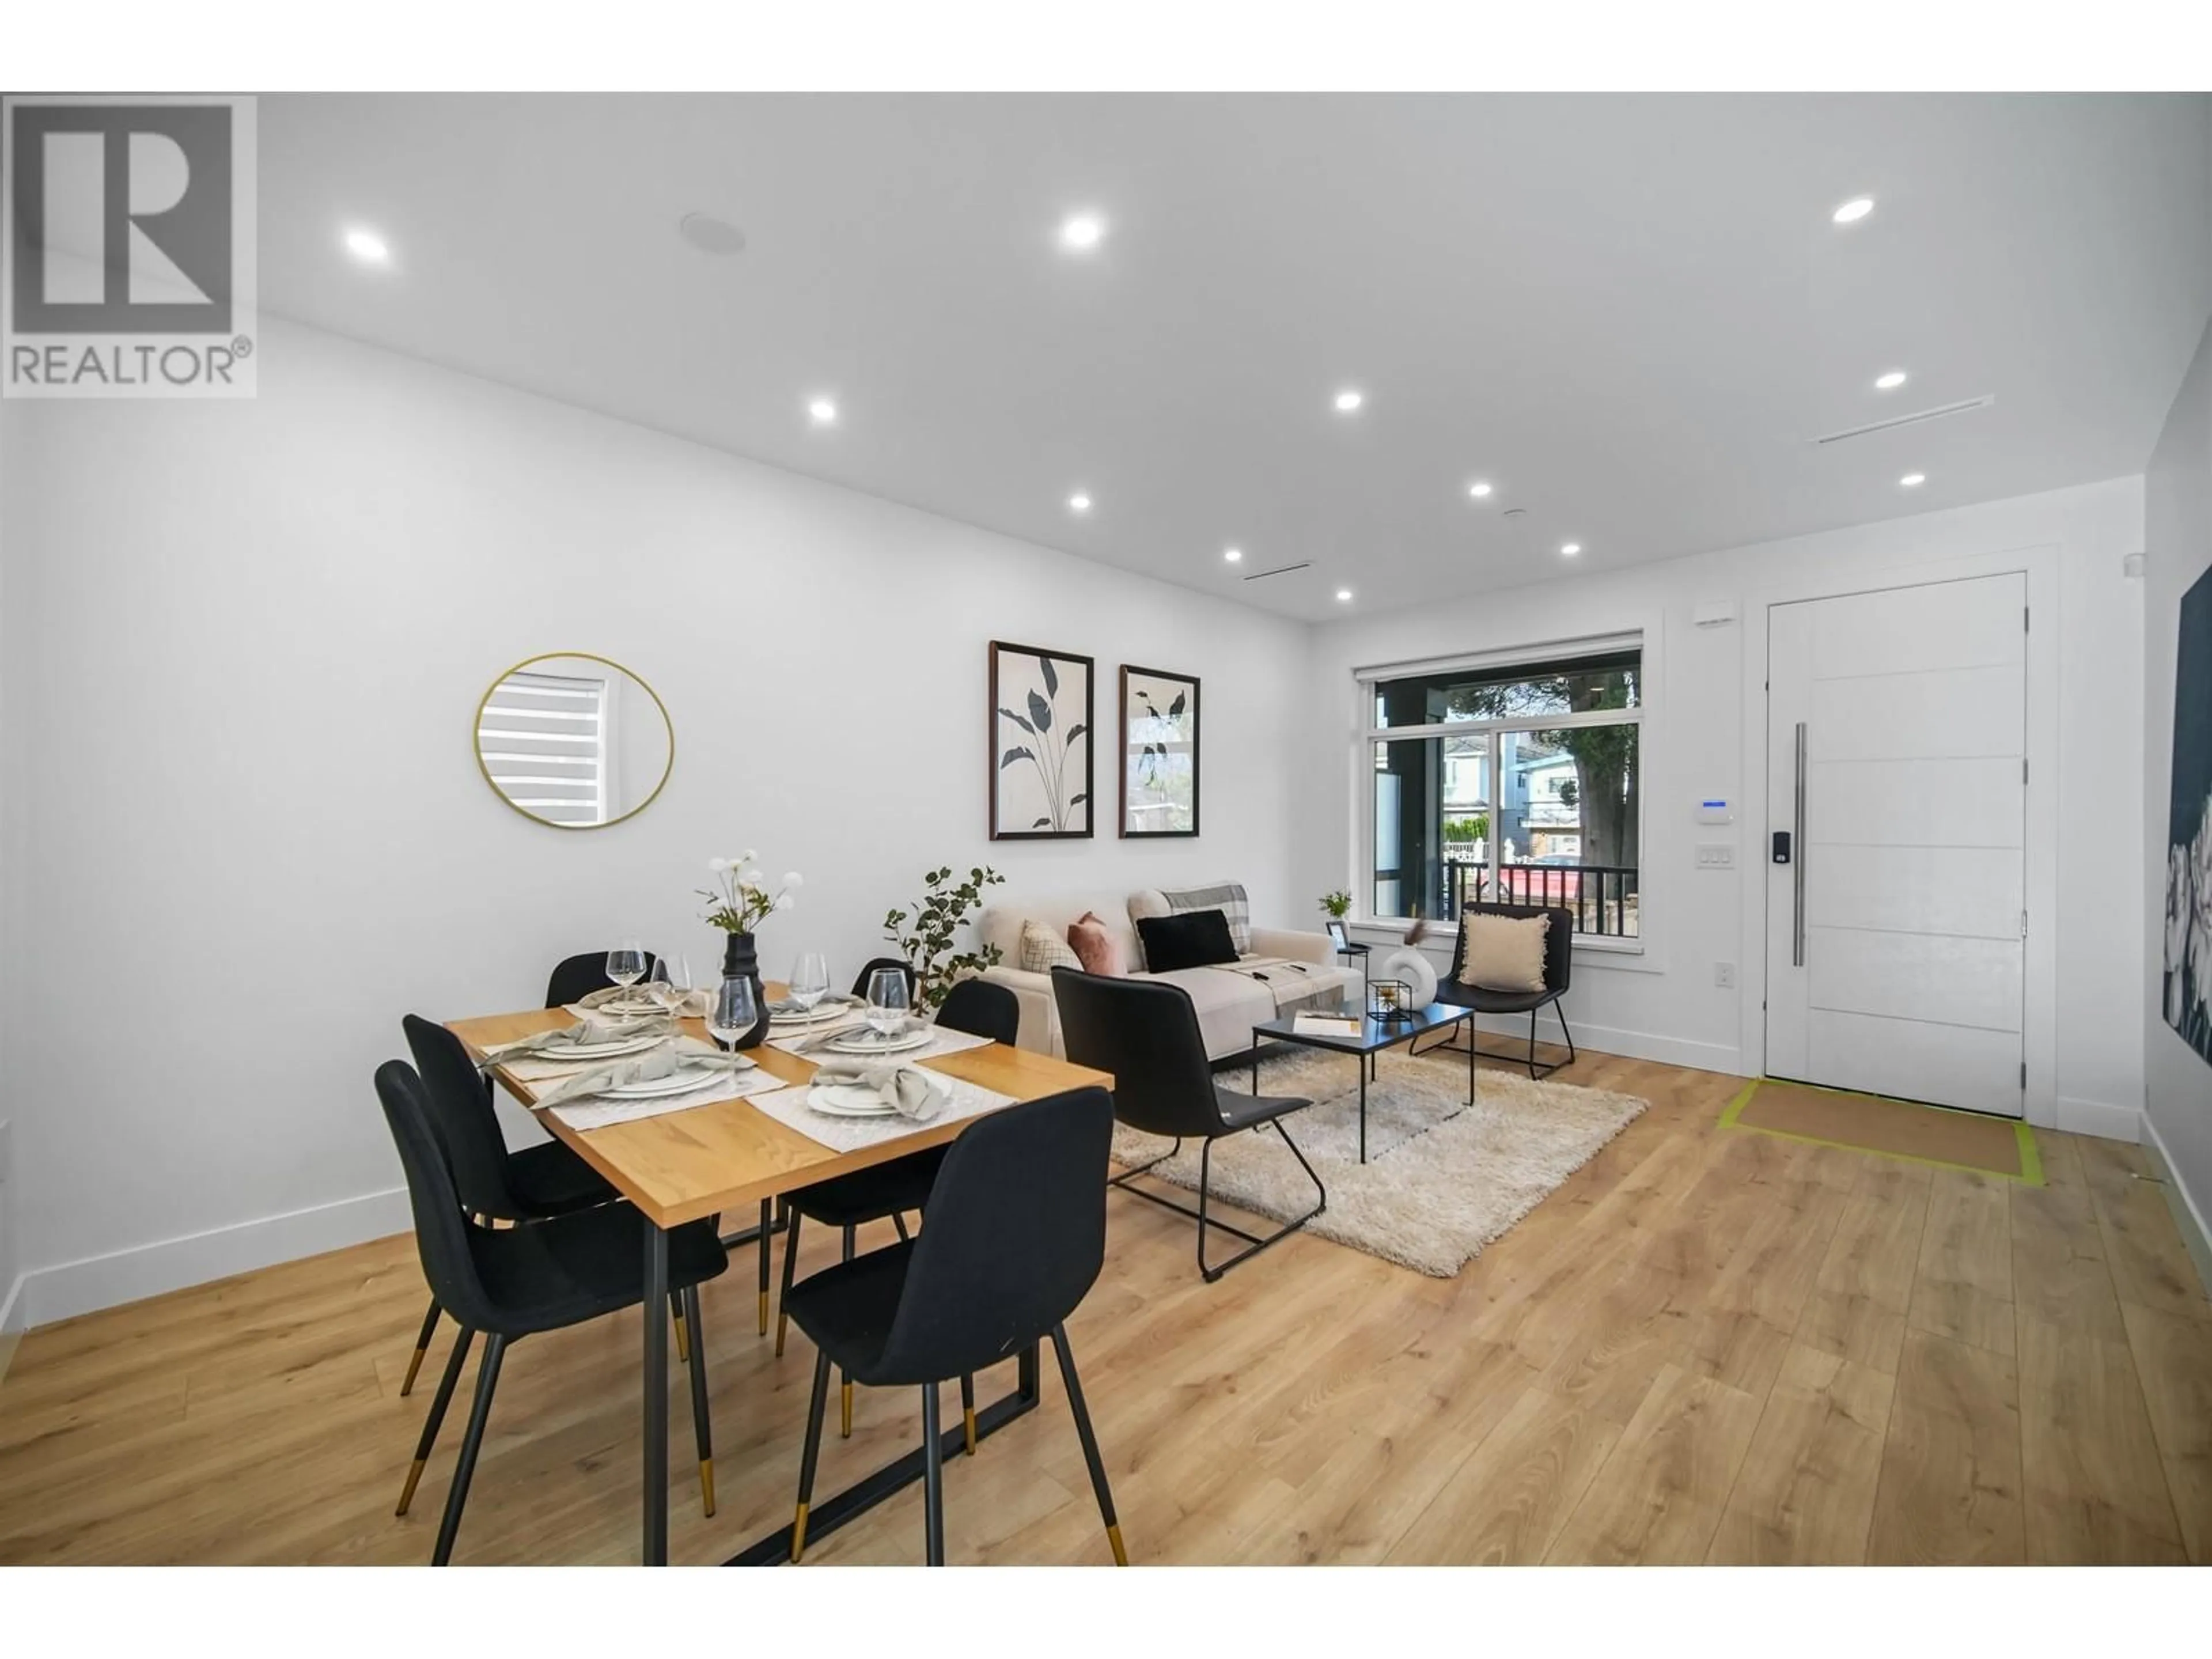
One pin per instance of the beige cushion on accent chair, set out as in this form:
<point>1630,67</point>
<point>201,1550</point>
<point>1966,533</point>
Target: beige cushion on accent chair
<point>1505,953</point>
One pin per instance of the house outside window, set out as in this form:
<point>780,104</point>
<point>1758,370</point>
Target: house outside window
<point>1512,781</point>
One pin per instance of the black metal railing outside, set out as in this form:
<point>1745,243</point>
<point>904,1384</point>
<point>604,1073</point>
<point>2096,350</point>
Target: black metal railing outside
<point>1603,896</point>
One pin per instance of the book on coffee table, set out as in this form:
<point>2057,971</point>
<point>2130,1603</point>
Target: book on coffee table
<point>1325,1025</point>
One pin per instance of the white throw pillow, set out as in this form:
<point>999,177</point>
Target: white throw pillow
<point>1042,949</point>
<point>1504,953</point>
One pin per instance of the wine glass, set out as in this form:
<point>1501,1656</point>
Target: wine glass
<point>810,980</point>
<point>734,1013</point>
<point>626,963</point>
<point>669,984</point>
<point>887,1001</point>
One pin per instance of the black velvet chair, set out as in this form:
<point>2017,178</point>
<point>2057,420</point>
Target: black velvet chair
<point>1016,1237</point>
<point>535,1184</point>
<point>886,1191</point>
<point>577,977</point>
<point>515,1282</point>
<point>1558,970</point>
<point>1145,1033</point>
<point>860,983</point>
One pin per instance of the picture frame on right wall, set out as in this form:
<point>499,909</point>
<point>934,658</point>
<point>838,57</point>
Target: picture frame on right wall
<point>2187,987</point>
<point>1159,754</point>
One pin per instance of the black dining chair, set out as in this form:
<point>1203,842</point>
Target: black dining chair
<point>861,984</point>
<point>1558,971</point>
<point>1145,1033</point>
<point>577,977</point>
<point>887,1191</point>
<point>515,1282</point>
<point>535,1184</point>
<point>1015,1239</point>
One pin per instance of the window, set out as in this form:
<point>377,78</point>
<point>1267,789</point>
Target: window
<point>1517,781</point>
<point>544,739</point>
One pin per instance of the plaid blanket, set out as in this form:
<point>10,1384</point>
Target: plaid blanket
<point>1293,983</point>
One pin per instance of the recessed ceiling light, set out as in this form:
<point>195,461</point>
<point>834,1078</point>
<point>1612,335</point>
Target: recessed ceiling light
<point>1348,402</point>
<point>1079,502</point>
<point>1344,595</point>
<point>368,247</point>
<point>1082,230</point>
<point>1477,490</point>
<point>1232,554</point>
<point>1913,480</point>
<point>1890,381</point>
<point>1853,211</point>
<point>824,412</point>
<point>1571,548</point>
<point>709,235</point>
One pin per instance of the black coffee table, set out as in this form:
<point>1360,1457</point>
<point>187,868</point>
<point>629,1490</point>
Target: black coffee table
<point>1375,1035</point>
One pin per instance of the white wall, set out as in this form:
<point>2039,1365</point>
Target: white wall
<point>1704,701</point>
<point>2178,541</point>
<point>242,710</point>
<point>13,416</point>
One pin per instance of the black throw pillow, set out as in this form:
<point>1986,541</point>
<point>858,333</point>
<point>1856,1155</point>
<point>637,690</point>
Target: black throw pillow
<point>1196,939</point>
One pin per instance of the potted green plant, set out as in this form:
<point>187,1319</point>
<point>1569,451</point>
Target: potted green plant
<point>927,937</point>
<point>1337,905</point>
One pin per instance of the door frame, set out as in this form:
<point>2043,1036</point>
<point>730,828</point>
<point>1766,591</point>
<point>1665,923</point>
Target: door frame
<point>2040,998</point>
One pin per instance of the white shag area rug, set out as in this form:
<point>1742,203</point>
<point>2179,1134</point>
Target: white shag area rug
<point>1442,1179</point>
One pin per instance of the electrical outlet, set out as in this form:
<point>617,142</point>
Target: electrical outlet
<point>1724,975</point>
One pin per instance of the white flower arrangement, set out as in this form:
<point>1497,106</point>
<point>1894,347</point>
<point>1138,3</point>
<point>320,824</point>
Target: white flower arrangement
<point>739,900</point>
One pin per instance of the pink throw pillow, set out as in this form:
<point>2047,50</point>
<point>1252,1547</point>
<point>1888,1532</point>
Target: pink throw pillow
<point>1095,948</point>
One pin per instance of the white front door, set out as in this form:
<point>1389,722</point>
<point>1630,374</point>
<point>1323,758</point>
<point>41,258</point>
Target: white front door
<point>1897,768</point>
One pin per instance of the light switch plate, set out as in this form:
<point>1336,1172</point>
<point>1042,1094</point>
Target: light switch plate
<point>1716,855</point>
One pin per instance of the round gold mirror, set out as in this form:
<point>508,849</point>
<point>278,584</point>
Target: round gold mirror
<point>574,740</point>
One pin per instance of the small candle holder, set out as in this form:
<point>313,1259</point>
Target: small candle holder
<point>1390,1000</point>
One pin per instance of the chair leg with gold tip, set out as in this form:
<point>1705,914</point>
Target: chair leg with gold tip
<point>811,1451</point>
<point>844,1377</point>
<point>1089,1444</point>
<point>700,1430</point>
<point>767,1225</point>
<point>683,1335</point>
<point>421,1348</point>
<point>968,1408</point>
<point>790,1263</point>
<point>472,1443</point>
<point>439,1402</point>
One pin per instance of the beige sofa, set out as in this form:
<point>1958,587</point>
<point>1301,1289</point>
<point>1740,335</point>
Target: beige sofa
<point>1229,1004</point>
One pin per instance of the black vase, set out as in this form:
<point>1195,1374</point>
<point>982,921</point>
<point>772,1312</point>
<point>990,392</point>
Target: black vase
<point>741,960</point>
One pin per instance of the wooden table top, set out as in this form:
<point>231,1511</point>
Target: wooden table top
<point>730,1155</point>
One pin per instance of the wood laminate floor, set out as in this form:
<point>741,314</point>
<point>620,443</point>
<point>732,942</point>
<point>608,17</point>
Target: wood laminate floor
<point>1708,1345</point>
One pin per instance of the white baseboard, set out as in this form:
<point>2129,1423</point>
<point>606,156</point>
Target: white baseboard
<point>2188,1214</point>
<point>70,1288</point>
<point>1610,1040</point>
<point>11,1324</point>
<point>2094,1117</point>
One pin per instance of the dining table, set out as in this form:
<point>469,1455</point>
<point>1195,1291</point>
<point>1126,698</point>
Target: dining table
<point>729,1156</point>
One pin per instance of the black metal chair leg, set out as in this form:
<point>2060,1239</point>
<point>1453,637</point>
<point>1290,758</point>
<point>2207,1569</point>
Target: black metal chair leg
<point>932,1479</point>
<point>431,1424</point>
<point>1532,1045</point>
<point>421,1348</point>
<point>683,1335</point>
<point>701,1431</point>
<point>968,1408</point>
<point>898,1224</point>
<point>1560,1009</point>
<point>790,1262</point>
<point>811,1453</point>
<point>767,1226</point>
<point>1090,1457</point>
<point>844,1377</point>
<point>479,1414</point>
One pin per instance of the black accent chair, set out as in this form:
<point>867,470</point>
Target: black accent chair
<point>1016,1238</point>
<point>535,1184</point>
<point>1145,1033</point>
<point>514,1282</point>
<point>886,1191</point>
<point>577,977</point>
<point>861,984</point>
<point>1558,969</point>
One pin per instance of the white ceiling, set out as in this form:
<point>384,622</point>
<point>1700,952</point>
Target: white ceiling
<point>1631,314</point>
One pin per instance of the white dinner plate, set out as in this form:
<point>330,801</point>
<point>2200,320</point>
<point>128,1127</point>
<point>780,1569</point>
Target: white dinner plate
<point>676,1083</point>
<point>615,1050</point>
<point>864,1041</point>
<point>849,1100</point>
<point>814,1016</point>
<point>626,1007</point>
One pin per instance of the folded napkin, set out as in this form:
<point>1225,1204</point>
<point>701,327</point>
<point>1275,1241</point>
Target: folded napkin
<point>909,1091</point>
<point>586,1033</point>
<point>784,1008</point>
<point>683,1053</point>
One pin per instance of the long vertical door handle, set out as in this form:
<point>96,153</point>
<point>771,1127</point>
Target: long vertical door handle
<point>1797,862</point>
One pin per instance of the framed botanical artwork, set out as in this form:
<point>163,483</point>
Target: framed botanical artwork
<point>1041,721</point>
<point>1159,753</point>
